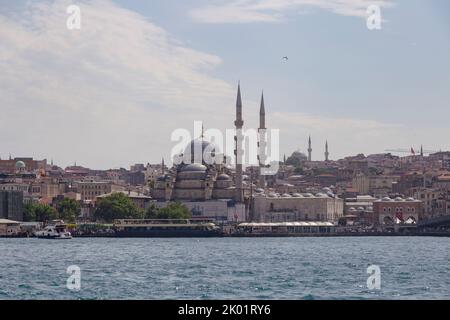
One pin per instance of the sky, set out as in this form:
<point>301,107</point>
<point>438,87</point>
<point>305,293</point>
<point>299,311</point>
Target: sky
<point>112,93</point>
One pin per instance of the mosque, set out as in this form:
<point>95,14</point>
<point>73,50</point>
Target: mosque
<point>210,191</point>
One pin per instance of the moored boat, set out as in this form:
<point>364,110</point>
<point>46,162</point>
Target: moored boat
<point>57,231</point>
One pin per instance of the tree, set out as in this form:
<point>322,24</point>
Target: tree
<point>69,210</point>
<point>29,214</point>
<point>39,212</point>
<point>117,206</point>
<point>174,210</point>
<point>152,212</point>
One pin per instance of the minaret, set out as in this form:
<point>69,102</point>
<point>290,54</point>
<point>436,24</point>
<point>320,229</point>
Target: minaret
<point>327,154</point>
<point>162,167</point>
<point>262,142</point>
<point>309,149</point>
<point>238,123</point>
<point>421,150</point>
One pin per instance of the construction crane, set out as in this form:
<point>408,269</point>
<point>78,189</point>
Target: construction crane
<point>412,151</point>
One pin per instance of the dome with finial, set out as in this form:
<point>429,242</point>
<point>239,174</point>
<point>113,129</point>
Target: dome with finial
<point>20,165</point>
<point>199,150</point>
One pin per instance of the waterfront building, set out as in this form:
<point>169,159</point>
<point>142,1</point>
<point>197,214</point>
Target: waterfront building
<point>274,207</point>
<point>389,212</point>
<point>9,227</point>
<point>434,201</point>
<point>11,205</point>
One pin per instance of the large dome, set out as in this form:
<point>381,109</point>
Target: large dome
<point>198,151</point>
<point>20,165</point>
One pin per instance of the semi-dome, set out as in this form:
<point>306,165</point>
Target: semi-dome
<point>20,165</point>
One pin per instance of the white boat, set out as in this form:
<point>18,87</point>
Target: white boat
<point>57,231</point>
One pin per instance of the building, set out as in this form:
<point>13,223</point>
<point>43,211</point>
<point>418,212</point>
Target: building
<point>9,227</point>
<point>91,189</point>
<point>11,205</point>
<point>376,185</point>
<point>360,209</point>
<point>297,207</point>
<point>389,212</point>
<point>22,165</point>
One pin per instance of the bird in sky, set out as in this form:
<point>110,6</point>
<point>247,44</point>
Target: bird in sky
<point>285,58</point>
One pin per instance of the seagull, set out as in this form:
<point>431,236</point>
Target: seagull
<point>285,58</point>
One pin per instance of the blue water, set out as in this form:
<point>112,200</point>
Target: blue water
<point>226,268</point>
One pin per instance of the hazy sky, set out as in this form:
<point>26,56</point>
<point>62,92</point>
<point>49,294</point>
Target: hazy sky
<point>112,93</point>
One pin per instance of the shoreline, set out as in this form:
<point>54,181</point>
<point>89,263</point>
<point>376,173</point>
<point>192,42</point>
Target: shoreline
<point>273,235</point>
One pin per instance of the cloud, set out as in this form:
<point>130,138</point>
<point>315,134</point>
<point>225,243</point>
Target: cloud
<point>250,11</point>
<point>100,92</point>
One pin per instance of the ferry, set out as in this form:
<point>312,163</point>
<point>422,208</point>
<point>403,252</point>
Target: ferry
<point>56,230</point>
<point>167,228</point>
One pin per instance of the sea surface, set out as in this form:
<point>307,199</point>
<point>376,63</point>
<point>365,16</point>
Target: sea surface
<point>226,268</point>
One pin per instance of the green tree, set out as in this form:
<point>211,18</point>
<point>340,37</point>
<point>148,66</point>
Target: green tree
<point>117,206</point>
<point>39,212</point>
<point>174,210</point>
<point>69,210</point>
<point>152,212</point>
<point>29,214</point>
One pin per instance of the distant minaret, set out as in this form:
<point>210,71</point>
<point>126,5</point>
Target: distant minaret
<point>162,167</point>
<point>327,154</point>
<point>262,142</point>
<point>309,149</point>
<point>284,159</point>
<point>238,151</point>
<point>421,150</point>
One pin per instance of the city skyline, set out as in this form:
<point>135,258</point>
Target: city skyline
<point>81,97</point>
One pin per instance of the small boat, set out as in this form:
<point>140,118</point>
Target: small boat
<point>56,231</point>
